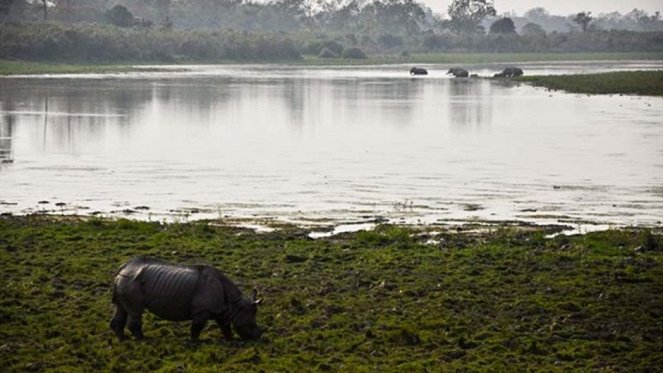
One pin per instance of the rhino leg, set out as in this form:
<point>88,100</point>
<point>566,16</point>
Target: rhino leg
<point>119,321</point>
<point>134,311</point>
<point>129,298</point>
<point>225,328</point>
<point>198,322</point>
<point>136,326</point>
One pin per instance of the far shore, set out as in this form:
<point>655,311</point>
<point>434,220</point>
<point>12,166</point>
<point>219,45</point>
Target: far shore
<point>19,67</point>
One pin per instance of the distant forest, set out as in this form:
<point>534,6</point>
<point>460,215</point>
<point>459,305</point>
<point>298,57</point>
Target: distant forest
<point>287,29</point>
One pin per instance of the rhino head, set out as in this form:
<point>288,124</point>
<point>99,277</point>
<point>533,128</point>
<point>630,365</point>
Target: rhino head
<point>244,320</point>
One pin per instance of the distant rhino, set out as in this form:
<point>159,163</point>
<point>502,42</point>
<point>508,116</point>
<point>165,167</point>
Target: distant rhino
<point>458,72</point>
<point>418,71</point>
<point>180,292</point>
<point>510,72</point>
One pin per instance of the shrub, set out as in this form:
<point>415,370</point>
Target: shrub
<point>120,16</point>
<point>333,46</point>
<point>354,53</point>
<point>88,42</point>
<point>390,41</point>
<point>533,30</point>
<point>503,26</point>
<point>327,53</point>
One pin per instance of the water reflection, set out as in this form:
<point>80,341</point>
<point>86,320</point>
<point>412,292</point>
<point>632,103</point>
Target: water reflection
<point>333,144</point>
<point>6,130</point>
<point>470,103</point>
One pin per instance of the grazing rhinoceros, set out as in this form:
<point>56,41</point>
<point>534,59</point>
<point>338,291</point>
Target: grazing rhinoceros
<point>510,72</point>
<point>180,292</point>
<point>418,71</point>
<point>458,72</point>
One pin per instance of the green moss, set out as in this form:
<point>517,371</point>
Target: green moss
<point>382,300</point>
<point>648,83</point>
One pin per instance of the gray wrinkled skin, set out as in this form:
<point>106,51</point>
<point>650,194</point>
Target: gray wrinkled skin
<point>180,292</point>
<point>510,72</point>
<point>458,72</point>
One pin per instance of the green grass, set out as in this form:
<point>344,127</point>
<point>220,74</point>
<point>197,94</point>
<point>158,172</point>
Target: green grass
<point>12,67</point>
<point>648,83</point>
<point>507,300</point>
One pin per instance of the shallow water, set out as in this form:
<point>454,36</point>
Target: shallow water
<point>331,145</point>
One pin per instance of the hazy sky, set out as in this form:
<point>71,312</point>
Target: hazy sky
<point>561,7</point>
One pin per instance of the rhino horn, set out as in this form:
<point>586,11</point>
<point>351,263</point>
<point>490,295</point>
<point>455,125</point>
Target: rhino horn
<point>254,297</point>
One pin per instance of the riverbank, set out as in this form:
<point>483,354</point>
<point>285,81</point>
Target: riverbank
<point>649,83</point>
<point>395,298</point>
<point>13,67</point>
<point>17,67</point>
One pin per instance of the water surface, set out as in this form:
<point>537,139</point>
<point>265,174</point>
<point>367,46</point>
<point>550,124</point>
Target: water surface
<point>331,145</point>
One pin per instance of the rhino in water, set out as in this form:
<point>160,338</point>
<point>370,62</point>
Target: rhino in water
<point>180,292</point>
<point>418,71</point>
<point>458,72</point>
<point>510,72</point>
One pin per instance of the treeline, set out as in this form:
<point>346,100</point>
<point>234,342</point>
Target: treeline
<point>635,20</point>
<point>168,30</point>
<point>368,16</point>
<point>92,42</point>
<point>54,41</point>
<point>590,41</point>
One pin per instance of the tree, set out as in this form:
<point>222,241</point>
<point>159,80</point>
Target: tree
<point>44,5</point>
<point>533,30</point>
<point>5,5</point>
<point>77,10</point>
<point>120,16</point>
<point>537,13</point>
<point>466,15</point>
<point>503,26</point>
<point>583,19</point>
<point>163,12</point>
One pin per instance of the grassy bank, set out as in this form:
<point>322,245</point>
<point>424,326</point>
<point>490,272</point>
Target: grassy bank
<point>481,58</point>
<point>370,301</point>
<point>486,58</point>
<point>12,67</point>
<point>648,83</point>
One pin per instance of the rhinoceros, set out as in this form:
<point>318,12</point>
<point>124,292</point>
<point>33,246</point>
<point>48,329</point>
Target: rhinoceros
<point>458,72</point>
<point>509,72</point>
<point>418,71</point>
<point>181,292</point>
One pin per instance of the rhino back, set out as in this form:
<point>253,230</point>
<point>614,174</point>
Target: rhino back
<point>168,290</point>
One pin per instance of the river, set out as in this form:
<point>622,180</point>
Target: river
<point>323,145</point>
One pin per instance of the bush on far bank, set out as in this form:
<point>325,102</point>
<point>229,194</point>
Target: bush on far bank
<point>353,53</point>
<point>93,42</point>
<point>85,42</point>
